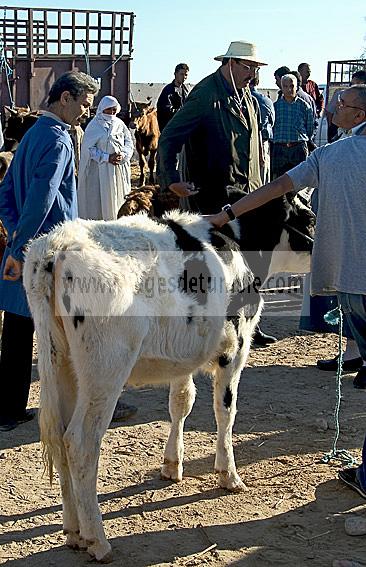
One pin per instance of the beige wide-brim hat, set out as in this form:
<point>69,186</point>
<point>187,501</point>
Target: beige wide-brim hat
<point>241,50</point>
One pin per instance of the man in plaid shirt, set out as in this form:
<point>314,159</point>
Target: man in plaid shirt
<point>293,128</point>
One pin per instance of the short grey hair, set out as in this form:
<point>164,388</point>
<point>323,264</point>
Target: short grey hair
<point>76,83</point>
<point>290,76</point>
<point>360,91</point>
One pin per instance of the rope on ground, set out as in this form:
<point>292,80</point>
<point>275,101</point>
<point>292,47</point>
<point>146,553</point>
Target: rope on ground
<point>335,317</point>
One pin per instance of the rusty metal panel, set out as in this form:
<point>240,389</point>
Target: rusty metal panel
<point>41,44</point>
<point>33,32</point>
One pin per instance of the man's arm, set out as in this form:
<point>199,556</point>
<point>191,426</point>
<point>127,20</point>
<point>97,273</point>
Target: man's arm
<point>175,134</point>
<point>269,120</point>
<point>8,207</point>
<point>319,99</point>
<point>163,107</point>
<point>306,174</point>
<point>309,121</point>
<point>41,194</point>
<point>263,195</point>
<point>128,148</point>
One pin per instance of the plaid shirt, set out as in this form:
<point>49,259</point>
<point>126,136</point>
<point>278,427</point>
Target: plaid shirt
<point>294,121</point>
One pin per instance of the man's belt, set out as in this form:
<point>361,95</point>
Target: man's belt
<point>290,144</point>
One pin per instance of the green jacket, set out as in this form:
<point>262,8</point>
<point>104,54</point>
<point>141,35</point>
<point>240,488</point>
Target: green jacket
<point>221,143</point>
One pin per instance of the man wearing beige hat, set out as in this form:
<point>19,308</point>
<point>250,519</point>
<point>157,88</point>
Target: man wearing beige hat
<point>218,125</point>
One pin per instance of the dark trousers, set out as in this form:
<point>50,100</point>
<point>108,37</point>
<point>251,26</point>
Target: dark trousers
<point>285,158</point>
<point>15,364</point>
<point>354,311</point>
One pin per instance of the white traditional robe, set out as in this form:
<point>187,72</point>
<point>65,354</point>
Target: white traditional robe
<point>102,186</point>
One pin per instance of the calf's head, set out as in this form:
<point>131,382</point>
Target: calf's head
<point>139,112</point>
<point>276,237</point>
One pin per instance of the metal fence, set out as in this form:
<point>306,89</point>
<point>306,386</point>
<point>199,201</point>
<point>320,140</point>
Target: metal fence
<point>39,44</point>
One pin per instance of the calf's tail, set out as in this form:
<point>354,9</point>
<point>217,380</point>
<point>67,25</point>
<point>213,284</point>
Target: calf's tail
<point>51,342</point>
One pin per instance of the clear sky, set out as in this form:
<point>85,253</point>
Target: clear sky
<point>286,32</point>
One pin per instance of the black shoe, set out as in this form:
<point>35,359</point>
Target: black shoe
<point>359,380</point>
<point>261,339</point>
<point>7,424</point>
<point>331,365</point>
<point>349,476</point>
<point>28,415</point>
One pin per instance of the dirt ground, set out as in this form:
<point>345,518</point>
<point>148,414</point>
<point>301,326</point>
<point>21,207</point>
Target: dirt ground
<point>292,514</point>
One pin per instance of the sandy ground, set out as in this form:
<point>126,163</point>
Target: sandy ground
<point>292,514</point>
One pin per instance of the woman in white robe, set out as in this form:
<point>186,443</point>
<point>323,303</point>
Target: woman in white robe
<point>104,172</point>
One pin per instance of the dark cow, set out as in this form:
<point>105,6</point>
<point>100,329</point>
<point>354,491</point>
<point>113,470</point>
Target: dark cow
<point>139,200</point>
<point>145,123</point>
<point>19,120</point>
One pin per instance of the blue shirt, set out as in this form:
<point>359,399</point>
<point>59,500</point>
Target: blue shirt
<point>38,192</point>
<point>294,121</point>
<point>267,112</point>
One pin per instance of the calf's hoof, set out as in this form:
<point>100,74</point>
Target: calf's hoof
<point>101,552</point>
<point>171,471</point>
<point>74,540</point>
<point>231,481</point>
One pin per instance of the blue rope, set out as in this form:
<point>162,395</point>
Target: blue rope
<point>114,62</point>
<point>4,66</point>
<point>335,317</point>
<point>86,56</point>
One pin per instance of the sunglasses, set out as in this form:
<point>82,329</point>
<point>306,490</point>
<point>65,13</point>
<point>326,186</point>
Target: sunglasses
<point>248,67</point>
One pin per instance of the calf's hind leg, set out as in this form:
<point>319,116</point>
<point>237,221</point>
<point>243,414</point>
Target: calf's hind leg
<point>100,382</point>
<point>151,164</point>
<point>181,399</point>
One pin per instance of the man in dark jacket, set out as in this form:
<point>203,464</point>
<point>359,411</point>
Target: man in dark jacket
<point>173,96</point>
<point>219,127</point>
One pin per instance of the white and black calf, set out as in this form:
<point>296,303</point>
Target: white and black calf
<point>276,237</point>
<point>100,327</point>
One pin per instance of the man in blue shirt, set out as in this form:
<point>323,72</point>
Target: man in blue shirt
<point>267,114</point>
<point>38,192</point>
<point>294,127</point>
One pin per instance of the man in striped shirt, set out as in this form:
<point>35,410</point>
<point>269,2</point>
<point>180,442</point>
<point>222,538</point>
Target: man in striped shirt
<point>293,128</point>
